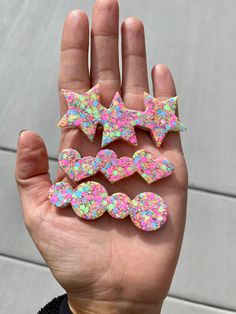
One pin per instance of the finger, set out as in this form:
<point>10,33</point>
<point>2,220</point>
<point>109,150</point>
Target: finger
<point>163,83</point>
<point>32,175</point>
<point>163,88</point>
<point>104,48</point>
<point>74,73</point>
<point>134,63</point>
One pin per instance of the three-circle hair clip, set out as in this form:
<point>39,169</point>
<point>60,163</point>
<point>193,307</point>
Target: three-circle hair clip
<point>90,200</point>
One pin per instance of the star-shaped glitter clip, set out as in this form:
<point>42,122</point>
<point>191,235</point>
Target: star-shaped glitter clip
<point>86,112</point>
<point>118,123</point>
<point>83,111</point>
<point>159,118</point>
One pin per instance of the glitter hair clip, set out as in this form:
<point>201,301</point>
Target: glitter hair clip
<point>86,112</point>
<point>113,168</point>
<point>90,200</point>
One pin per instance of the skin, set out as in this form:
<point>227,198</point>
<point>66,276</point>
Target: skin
<point>105,266</point>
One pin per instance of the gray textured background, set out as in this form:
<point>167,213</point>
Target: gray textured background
<point>196,39</point>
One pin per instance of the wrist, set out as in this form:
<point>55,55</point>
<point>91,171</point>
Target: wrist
<point>88,306</point>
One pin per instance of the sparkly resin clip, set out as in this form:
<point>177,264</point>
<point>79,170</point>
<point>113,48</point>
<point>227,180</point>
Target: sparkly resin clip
<point>90,200</point>
<point>114,168</point>
<point>86,112</point>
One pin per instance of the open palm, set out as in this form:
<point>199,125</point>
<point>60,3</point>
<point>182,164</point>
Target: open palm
<point>106,265</point>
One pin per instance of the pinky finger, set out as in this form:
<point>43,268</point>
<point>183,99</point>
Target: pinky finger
<point>163,88</point>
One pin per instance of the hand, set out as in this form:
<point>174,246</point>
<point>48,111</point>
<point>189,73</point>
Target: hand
<point>108,265</point>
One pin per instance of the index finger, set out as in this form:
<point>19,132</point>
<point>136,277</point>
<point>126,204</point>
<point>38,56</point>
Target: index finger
<point>74,73</point>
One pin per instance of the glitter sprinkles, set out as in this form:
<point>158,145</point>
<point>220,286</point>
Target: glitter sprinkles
<point>149,211</point>
<point>163,118</point>
<point>118,123</point>
<point>60,194</point>
<point>118,205</point>
<point>90,200</point>
<point>75,167</point>
<point>151,169</point>
<point>86,112</point>
<point>114,168</point>
<point>83,111</point>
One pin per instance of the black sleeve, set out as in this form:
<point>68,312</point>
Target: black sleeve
<point>58,305</point>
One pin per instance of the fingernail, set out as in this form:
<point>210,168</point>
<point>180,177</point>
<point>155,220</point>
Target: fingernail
<point>21,132</point>
<point>74,16</point>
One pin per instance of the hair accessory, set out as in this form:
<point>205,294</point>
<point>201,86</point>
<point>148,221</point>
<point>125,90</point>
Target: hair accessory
<point>114,168</point>
<point>86,112</point>
<point>90,200</point>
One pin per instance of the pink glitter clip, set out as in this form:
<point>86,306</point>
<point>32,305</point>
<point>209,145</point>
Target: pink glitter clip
<point>114,168</point>
<point>90,200</point>
<point>86,112</point>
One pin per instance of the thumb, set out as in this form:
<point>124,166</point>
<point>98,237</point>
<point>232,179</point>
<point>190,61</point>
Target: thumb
<point>32,177</point>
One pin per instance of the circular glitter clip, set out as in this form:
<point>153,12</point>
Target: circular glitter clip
<point>89,200</point>
<point>60,194</point>
<point>149,211</point>
<point>118,205</point>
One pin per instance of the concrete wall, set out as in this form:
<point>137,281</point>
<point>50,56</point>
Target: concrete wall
<point>196,39</point>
